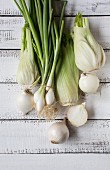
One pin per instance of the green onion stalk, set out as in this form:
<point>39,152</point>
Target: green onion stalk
<point>57,32</point>
<point>46,41</point>
<point>52,41</point>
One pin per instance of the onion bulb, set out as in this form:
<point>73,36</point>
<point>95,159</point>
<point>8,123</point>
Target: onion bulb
<point>77,115</point>
<point>39,100</point>
<point>50,97</point>
<point>58,133</point>
<point>89,83</point>
<point>25,102</point>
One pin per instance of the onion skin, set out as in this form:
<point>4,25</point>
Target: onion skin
<point>89,83</point>
<point>58,133</point>
<point>50,97</point>
<point>25,102</point>
<point>40,104</point>
<point>77,115</point>
<point>39,100</point>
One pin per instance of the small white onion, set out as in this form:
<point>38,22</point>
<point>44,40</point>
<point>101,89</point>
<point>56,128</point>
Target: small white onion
<point>50,97</point>
<point>77,115</point>
<point>89,83</point>
<point>40,104</point>
<point>39,100</point>
<point>58,133</point>
<point>25,102</point>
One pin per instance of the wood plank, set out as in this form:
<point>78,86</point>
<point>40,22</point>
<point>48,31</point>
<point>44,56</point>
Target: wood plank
<point>103,73</point>
<point>8,108</point>
<point>9,60</point>
<point>67,161</point>
<point>26,137</point>
<point>10,31</point>
<point>98,105</point>
<point>87,7</point>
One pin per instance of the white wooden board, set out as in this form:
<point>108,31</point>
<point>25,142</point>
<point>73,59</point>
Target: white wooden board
<point>28,137</point>
<point>97,104</point>
<point>51,162</point>
<point>9,60</point>
<point>87,7</point>
<point>10,31</point>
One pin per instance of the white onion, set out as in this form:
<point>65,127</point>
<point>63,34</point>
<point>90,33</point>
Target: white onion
<point>50,97</point>
<point>58,133</point>
<point>40,104</point>
<point>89,83</point>
<point>39,100</point>
<point>25,102</point>
<point>77,115</point>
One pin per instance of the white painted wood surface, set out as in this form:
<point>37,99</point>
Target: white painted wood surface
<point>31,137</point>
<point>97,104</point>
<point>10,30</point>
<point>9,60</point>
<point>51,162</point>
<point>19,136</point>
<point>87,7</point>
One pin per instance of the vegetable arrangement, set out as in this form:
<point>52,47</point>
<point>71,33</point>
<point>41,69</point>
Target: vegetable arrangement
<point>60,65</point>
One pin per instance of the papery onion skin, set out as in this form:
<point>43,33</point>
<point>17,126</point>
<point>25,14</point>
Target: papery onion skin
<point>58,133</point>
<point>25,102</point>
<point>89,83</point>
<point>39,99</point>
<point>50,97</point>
<point>77,115</point>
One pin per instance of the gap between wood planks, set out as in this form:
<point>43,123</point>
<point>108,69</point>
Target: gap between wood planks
<point>65,16</point>
<point>36,119</point>
<point>58,153</point>
<point>13,81</point>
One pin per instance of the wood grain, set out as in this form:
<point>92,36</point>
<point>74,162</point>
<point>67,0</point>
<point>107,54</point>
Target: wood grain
<point>24,143</point>
<point>87,7</point>
<point>28,137</point>
<point>67,161</point>
<point>97,104</point>
<point>9,60</point>
<point>10,30</point>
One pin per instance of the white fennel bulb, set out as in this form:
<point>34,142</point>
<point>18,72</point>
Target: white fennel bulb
<point>27,72</point>
<point>89,55</point>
